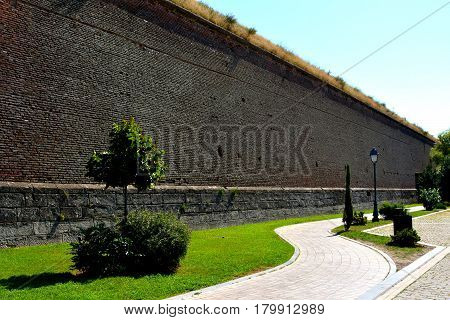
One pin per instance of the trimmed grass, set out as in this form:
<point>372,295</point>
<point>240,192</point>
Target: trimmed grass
<point>214,256</point>
<point>401,256</point>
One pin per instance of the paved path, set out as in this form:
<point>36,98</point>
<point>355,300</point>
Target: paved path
<point>329,267</point>
<point>435,283</point>
<point>416,208</point>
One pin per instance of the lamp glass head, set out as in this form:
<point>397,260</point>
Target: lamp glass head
<point>374,155</point>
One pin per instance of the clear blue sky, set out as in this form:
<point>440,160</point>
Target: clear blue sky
<point>411,75</point>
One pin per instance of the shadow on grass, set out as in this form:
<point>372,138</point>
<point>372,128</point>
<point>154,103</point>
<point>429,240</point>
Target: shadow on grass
<point>41,280</point>
<point>50,278</point>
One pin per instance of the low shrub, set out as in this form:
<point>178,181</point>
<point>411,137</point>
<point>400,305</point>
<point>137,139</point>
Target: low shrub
<point>430,198</point>
<point>145,243</point>
<point>251,31</point>
<point>230,19</point>
<point>405,238</point>
<point>158,241</point>
<point>440,205</point>
<point>388,210</point>
<point>359,219</point>
<point>100,251</point>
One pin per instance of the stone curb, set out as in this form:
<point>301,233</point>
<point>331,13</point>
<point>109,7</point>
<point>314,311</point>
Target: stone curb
<point>413,276</point>
<point>294,258</point>
<point>394,279</point>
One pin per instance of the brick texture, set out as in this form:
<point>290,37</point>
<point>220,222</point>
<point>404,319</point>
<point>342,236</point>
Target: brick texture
<point>71,68</point>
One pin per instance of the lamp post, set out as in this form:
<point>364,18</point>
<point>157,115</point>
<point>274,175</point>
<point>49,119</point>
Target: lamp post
<point>374,158</point>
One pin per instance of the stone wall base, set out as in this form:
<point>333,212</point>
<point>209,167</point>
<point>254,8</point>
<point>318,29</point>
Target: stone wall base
<point>43,213</point>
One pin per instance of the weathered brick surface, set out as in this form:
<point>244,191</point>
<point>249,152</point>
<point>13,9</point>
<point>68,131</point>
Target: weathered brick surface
<point>40,221</point>
<point>71,68</point>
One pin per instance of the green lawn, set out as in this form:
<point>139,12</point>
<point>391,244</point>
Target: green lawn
<point>214,256</point>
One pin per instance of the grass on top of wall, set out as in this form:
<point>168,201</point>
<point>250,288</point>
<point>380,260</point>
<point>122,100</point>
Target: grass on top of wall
<point>230,23</point>
<point>214,256</point>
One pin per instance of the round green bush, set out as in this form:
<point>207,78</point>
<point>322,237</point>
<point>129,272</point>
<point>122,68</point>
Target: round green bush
<point>405,238</point>
<point>145,243</point>
<point>430,198</point>
<point>440,205</point>
<point>100,251</point>
<point>359,219</point>
<point>388,210</point>
<point>159,241</point>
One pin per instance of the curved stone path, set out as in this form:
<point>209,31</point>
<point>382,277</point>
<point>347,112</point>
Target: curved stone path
<point>329,267</point>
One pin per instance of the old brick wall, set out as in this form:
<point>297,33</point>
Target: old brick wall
<point>69,68</point>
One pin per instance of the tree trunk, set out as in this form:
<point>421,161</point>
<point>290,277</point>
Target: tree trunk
<point>125,201</point>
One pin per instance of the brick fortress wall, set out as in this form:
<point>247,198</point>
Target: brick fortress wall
<point>226,112</point>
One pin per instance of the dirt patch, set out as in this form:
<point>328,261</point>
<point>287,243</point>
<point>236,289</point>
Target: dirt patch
<point>401,256</point>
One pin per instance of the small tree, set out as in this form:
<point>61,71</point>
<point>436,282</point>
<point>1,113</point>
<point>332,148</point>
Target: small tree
<point>348,210</point>
<point>440,157</point>
<point>132,159</point>
<point>437,173</point>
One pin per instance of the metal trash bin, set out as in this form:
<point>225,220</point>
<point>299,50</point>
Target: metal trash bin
<point>401,222</point>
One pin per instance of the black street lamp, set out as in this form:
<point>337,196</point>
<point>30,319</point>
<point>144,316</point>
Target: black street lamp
<point>374,158</point>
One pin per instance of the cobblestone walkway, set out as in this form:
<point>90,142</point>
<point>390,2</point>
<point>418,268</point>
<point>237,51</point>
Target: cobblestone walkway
<point>435,283</point>
<point>329,267</point>
<point>433,229</point>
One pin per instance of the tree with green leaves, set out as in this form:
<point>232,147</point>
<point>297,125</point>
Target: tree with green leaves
<point>437,173</point>
<point>131,159</point>
<point>348,210</point>
<point>440,157</point>
<point>441,150</point>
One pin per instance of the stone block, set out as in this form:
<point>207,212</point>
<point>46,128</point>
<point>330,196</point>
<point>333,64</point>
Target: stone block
<point>102,200</point>
<point>103,212</point>
<point>137,199</point>
<point>50,229</point>
<point>214,197</point>
<point>193,198</point>
<point>77,200</point>
<point>55,200</point>
<point>76,226</point>
<point>8,230</point>
<point>8,215</point>
<point>12,200</point>
<point>173,198</point>
<point>43,227</point>
<point>36,200</point>
<point>70,213</point>
<point>28,214</point>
